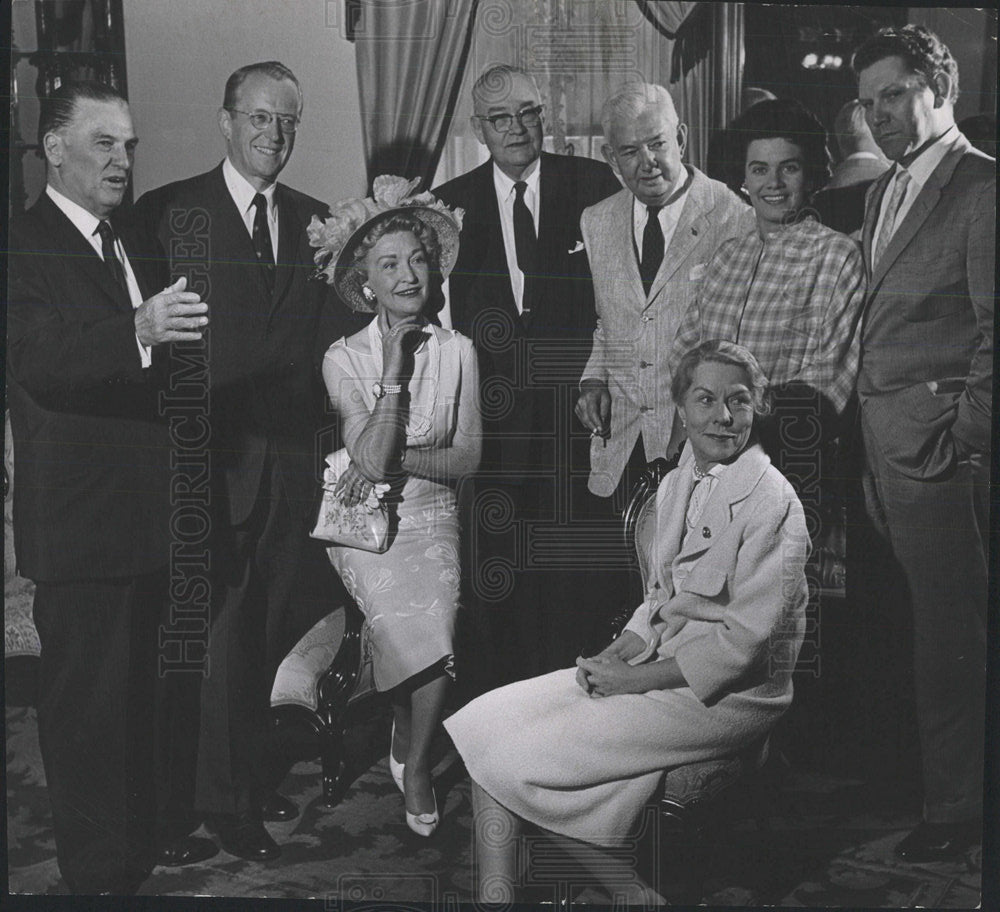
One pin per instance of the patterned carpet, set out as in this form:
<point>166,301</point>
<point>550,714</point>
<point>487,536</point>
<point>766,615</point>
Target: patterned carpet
<point>827,842</point>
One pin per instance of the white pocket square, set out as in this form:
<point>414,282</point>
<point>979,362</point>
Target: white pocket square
<point>577,248</point>
<point>697,272</point>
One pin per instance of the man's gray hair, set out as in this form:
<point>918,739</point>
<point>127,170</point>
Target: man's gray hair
<point>631,100</point>
<point>494,83</point>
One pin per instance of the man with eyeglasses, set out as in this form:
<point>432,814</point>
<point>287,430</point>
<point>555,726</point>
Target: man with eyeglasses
<point>242,237</point>
<point>521,291</point>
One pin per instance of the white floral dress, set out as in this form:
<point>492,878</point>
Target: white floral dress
<point>409,594</point>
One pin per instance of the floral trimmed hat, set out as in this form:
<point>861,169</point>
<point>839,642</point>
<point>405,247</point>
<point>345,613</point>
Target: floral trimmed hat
<point>337,237</point>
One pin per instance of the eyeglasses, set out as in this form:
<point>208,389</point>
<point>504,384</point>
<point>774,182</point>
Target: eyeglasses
<point>529,117</point>
<point>261,120</point>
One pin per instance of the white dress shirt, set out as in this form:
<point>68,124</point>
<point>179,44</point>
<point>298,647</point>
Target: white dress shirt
<point>920,170</point>
<point>668,217</point>
<point>506,194</point>
<point>86,223</point>
<point>243,192</point>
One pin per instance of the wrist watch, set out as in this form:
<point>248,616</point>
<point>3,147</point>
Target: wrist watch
<point>380,390</point>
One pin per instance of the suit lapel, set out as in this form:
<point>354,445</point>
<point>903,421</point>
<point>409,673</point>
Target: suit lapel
<point>671,509</point>
<point>873,201</point>
<point>90,266</point>
<point>693,220</point>
<point>922,207</point>
<point>495,256</point>
<point>142,268</point>
<point>623,237</point>
<point>231,241</point>
<point>288,236</point>
<point>552,209</point>
<point>734,486</point>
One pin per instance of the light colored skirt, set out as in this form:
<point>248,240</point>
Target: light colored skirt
<point>586,766</point>
<point>409,594</point>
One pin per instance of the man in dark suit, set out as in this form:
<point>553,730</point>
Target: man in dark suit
<point>925,391</point>
<point>85,343</point>
<point>270,325</point>
<point>520,290</point>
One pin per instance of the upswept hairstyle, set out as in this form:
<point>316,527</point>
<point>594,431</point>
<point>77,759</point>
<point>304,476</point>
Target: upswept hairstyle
<point>57,110</point>
<point>721,351</point>
<point>923,52</point>
<point>782,118</point>
<point>271,68</point>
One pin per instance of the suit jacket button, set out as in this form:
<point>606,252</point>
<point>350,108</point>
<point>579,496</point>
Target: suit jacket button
<point>706,532</point>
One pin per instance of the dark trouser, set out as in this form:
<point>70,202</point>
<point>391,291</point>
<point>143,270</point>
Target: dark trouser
<point>938,532</point>
<point>546,571</point>
<point>612,578</point>
<point>265,597</point>
<point>96,722</point>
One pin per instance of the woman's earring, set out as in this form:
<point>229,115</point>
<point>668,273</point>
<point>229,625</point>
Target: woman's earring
<point>368,294</point>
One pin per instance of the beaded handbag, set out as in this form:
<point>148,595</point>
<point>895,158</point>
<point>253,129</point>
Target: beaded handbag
<point>364,526</point>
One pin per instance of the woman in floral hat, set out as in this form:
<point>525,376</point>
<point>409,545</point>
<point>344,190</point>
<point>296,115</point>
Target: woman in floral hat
<point>406,393</point>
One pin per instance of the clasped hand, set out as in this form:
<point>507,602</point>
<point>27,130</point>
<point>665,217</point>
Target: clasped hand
<point>609,672</point>
<point>172,315</point>
<point>352,487</point>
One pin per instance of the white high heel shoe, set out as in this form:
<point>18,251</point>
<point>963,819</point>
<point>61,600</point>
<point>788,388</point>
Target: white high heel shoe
<point>395,767</point>
<point>424,824</point>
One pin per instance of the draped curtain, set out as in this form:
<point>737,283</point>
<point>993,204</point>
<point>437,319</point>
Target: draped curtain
<point>579,51</point>
<point>410,58</point>
<point>704,69</point>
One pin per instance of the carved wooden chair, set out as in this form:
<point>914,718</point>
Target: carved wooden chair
<point>697,799</point>
<point>327,673</point>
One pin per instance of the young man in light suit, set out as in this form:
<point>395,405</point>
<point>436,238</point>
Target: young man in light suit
<point>925,389</point>
<point>648,247</point>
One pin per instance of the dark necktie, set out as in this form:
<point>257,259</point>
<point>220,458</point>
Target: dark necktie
<point>262,237</point>
<point>524,243</point>
<point>110,255</point>
<point>652,248</point>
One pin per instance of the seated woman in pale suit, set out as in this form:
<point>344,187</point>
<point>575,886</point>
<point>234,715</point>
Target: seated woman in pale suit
<point>406,393</point>
<point>703,668</point>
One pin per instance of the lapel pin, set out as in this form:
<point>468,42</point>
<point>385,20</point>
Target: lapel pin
<point>694,231</point>
<point>706,532</point>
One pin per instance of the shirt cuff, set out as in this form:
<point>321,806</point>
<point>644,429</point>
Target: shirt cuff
<point>145,353</point>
